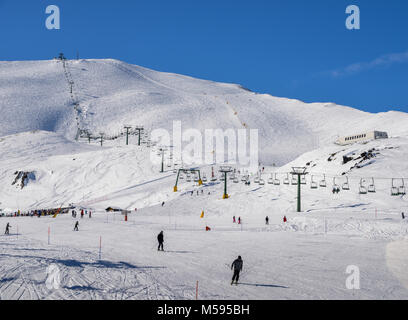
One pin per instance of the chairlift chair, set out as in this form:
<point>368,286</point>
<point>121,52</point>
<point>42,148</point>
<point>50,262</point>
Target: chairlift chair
<point>323,183</point>
<point>286,180</point>
<point>256,180</point>
<point>394,189</point>
<point>270,180</point>
<point>346,185</point>
<point>401,189</point>
<point>294,180</point>
<point>204,179</point>
<point>276,181</point>
<point>313,184</point>
<point>236,180</point>
<point>335,186</point>
<point>302,180</point>
<point>371,187</point>
<point>362,189</point>
<point>261,182</point>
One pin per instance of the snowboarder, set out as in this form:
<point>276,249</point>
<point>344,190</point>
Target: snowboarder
<point>7,228</point>
<point>160,238</point>
<point>233,219</point>
<point>237,266</point>
<point>76,226</point>
<point>267,220</point>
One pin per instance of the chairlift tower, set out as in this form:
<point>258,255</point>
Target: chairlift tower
<point>162,150</point>
<point>299,172</point>
<point>225,170</point>
<point>101,137</point>
<point>139,129</point>
<point>127,127</point>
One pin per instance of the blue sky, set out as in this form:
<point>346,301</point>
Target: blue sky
<point>289,48</point>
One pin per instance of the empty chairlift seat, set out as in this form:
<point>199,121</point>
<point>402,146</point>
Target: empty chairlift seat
<point>270,180</point>
<point>276,181</point>
<point>286,180</point>
<point>313,184</point>
<point>346,185</point>
<point>323,183</point>
<point>362,188</point>
<point>371,187</point>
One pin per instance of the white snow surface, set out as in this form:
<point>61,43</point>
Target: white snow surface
<point>304,258</point>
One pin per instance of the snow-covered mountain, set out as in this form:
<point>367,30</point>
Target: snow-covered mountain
<point>36,95</point>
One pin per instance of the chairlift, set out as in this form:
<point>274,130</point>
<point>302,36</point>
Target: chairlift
<point>261,182</point>
<point>276,181</point>
<point>335,186</point>
<point>195,178</point>
<point>270,180</point>
<point>323,183</point>
<point>294,180</point>
<point>204,179</point>
<point>362,189</point>
<point>302,180</point>
<point>346,185</point>
<point>313,184</point>
<point>243,178</point>
<point>394,189</point>
<point>286,180</point>
<point>401,189</point>
<point>236,180</point>
<point>256,180</point>
<point>371,187</point>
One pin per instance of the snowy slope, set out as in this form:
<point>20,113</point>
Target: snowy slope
<point>36,95</point>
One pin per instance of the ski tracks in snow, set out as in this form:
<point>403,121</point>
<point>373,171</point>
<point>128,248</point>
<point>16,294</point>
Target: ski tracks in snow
<point>23,269</point>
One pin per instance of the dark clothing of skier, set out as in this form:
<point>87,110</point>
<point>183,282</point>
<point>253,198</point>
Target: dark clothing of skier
<point>7,228</point>
<point>237,266</point>
<point>267,220</point>
<point>239,220</point>
<point>160,238</point>
<point>76,226</point>
<point>163,204</point>
<point>233,219</point>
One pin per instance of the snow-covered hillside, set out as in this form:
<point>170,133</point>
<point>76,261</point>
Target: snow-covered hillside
<point>306,257</point>
<point>36,95</point>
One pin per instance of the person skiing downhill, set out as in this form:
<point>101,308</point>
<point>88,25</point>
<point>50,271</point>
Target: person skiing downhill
<point>267,220</point>
<point>160,238</point>
<point>239,220</point>
<point>237,266</point>
<point>76,226</point>
<point>233,219</point>
<point>7,228</point>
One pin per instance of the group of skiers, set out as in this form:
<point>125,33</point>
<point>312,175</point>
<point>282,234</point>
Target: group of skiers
<point>235,221</point>
<point>83,213</point>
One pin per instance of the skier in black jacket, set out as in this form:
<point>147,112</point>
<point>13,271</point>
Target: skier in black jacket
<point>160,238</point>
<point>7,228</point>
<point>76,226</point>
<point>237,266</point>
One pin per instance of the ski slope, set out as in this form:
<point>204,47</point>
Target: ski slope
<point>304,258</point>
<point>36,95</point>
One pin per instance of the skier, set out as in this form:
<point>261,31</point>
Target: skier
<point>237,266</point>
<point>233,219</point>
<point>160,238</point>
<point>239,220</point>
<point>90,214</point>
<point>76,226</point>
<point>284,219</point>
<point>403,215</point>
<point>7,228</point>
<point>163,204</point>
<point>82,213</point>
<point>267,220</point>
